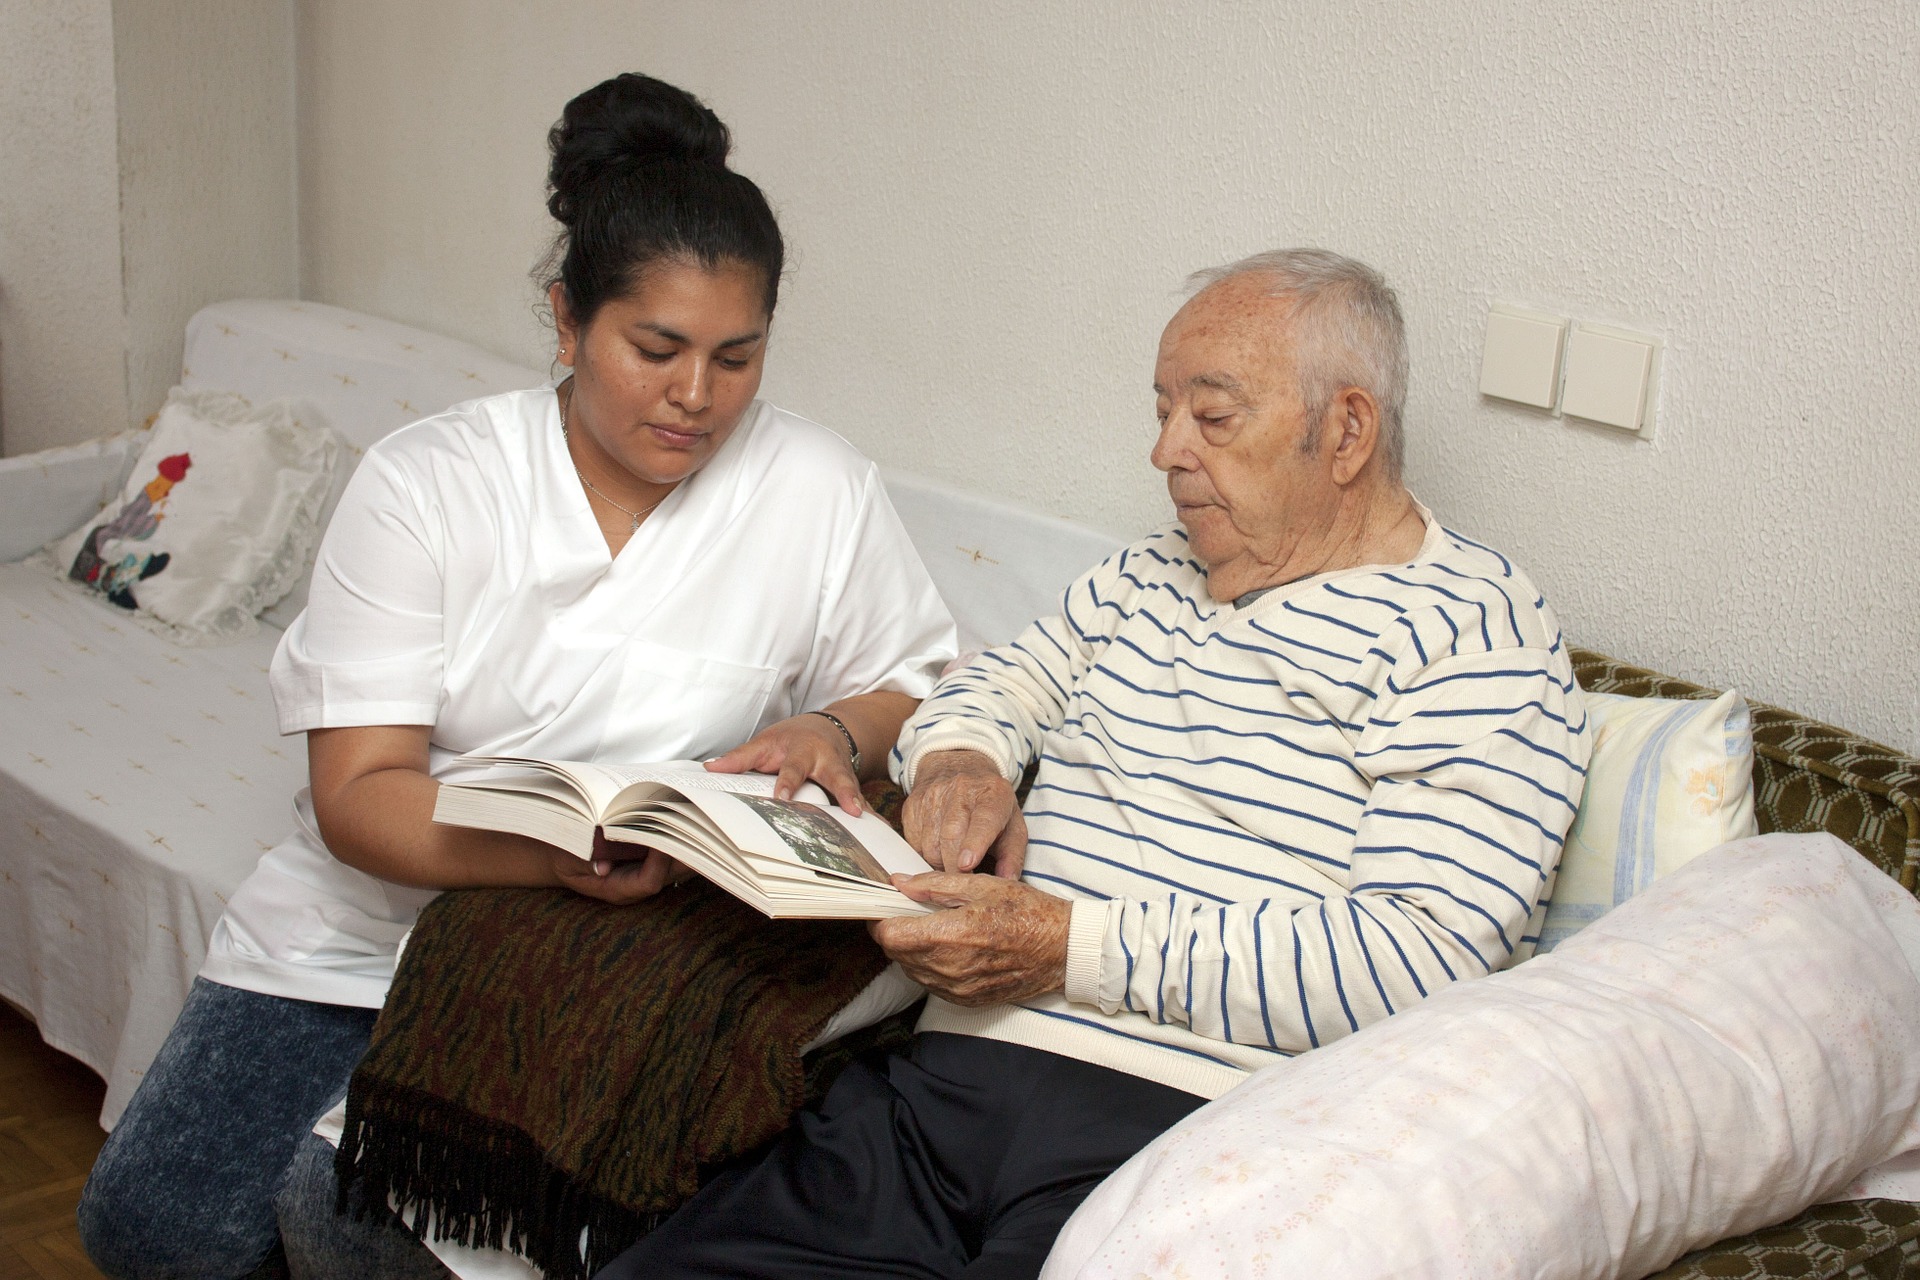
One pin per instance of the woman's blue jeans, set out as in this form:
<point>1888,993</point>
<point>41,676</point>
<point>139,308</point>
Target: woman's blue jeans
<point>195,1179</point>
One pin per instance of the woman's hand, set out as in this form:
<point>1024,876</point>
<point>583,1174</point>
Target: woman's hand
<point>797,749</point>
<point>618,873</point>
<point>811,747</point>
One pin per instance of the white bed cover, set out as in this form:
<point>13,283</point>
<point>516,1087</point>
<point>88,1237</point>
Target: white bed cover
<point>139,782</point>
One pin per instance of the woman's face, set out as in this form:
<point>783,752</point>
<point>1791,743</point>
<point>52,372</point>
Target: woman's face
<point>662,376</point>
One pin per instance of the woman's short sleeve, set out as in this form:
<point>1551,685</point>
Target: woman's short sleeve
<point>369,649</point>
<point>882,622</point>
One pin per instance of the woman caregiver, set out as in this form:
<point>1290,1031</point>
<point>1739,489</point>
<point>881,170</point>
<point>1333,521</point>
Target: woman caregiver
<point>643,563</point>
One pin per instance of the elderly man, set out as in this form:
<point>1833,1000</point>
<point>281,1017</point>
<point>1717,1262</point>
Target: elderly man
<point>1303,759</point>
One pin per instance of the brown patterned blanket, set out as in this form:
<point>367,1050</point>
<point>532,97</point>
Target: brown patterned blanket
<point>546,1064</point>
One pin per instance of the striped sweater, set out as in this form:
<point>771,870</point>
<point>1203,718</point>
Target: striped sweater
<point>1278,822</point>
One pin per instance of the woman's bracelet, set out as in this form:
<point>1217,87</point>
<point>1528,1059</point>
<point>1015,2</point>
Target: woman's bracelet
<point>853,748</point>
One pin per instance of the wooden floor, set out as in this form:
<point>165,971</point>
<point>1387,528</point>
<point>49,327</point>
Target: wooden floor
<point>49,1134</point>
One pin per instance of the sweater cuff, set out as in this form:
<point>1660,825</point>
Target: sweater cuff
<point>954,740</point>
<point>1085,937</point>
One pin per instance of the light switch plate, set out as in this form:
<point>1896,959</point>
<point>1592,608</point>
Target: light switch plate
<point>1521,358</point>
<point>1612,377</point>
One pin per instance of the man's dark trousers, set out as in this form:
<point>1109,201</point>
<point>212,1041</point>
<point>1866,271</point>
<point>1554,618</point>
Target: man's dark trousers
<point>962,1156</point>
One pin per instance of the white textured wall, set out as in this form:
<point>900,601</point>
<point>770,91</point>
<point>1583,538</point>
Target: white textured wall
<point>63,373</point>
<point>992,204</point>
<point>146,169</point>
<point>206,169</point>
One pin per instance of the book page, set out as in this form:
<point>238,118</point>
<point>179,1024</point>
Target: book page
<point>691,775</point>
<point>605,786</point>
<point>781,889</point>
<point>820,836</point>
<point>549,786</point>
<point>594,782</point>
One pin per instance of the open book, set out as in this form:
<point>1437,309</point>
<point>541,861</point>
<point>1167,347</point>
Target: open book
<point>800,858</point>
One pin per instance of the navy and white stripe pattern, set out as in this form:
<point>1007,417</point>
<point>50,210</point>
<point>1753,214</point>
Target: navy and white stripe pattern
<point>1282,822</point>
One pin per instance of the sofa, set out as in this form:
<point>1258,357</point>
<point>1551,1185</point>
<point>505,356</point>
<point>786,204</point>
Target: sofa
<point>140,780</point>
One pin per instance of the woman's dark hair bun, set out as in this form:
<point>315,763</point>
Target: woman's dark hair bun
<point>639,176</point>
<point>623,122</point>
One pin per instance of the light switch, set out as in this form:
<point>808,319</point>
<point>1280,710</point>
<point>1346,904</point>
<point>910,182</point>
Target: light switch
<point>1521,359</point>
<point>1610,377</point>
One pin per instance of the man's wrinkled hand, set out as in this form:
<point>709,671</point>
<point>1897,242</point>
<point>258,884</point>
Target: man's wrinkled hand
<point>961,810</point>
<point>999,941</point>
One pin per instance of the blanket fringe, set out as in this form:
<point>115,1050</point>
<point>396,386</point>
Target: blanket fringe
<point>439,1164</point>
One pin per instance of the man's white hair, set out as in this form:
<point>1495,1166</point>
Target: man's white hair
<point>1347,329</point>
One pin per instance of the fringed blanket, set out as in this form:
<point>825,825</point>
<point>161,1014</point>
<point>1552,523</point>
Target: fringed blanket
<point>546,1064</point>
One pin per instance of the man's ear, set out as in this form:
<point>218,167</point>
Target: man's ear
<point>563,325</point>
<point>1353,420</point>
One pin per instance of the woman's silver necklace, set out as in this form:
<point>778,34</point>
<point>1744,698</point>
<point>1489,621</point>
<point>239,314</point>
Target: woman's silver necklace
<point>566,440</point>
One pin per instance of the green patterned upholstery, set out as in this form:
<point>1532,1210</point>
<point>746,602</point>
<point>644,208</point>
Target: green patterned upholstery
<point>1809,776</point>
<point>1864,1238</point>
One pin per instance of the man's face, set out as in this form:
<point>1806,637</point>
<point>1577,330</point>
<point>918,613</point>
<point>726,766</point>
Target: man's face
<point>1231,426</point>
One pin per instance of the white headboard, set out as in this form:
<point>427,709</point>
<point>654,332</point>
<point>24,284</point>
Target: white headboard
<point>367,376</point>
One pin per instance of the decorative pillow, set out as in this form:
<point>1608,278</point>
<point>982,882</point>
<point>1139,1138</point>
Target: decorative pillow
<point>290,606</point>
<point>216,520</point>
<point>1669,780</point>
<point>1732,1045</point>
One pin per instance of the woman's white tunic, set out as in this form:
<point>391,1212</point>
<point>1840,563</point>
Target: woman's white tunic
<point>464,584</point>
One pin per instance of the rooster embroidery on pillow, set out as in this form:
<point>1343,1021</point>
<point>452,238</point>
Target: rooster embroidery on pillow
<point>135,522</point>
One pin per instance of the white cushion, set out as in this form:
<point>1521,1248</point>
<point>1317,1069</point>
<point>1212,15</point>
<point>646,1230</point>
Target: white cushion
<point>1669,780</point>
<point>216,520</point>
<point>367,375</point>
<point>1734,1044</point>
<point>996,565</point>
